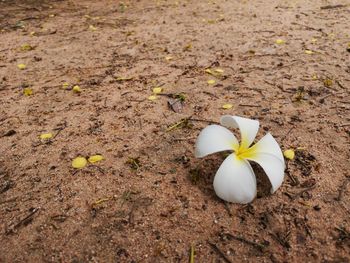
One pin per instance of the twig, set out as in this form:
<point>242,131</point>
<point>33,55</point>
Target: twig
<point>332,6</point>
<point>249,105</point>
<point>192,254</point>
<point>25,220</point>
<point>296,195</point>
<point>256,245</point>
<point>219,252</point>
<point>283,242</point>
<point>342,189</point>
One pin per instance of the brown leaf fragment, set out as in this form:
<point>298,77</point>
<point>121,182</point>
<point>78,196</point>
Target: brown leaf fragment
<point>176,105</point>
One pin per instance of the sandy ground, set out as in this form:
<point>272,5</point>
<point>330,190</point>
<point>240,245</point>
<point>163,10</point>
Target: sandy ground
<point>150,200</point>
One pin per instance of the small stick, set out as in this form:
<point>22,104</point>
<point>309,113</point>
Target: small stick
<point>342,189</point>
<point>248,242</point>
<point>219,252</point>
<point>24,220</point>
<point>248,105</point>
<point>332,6</point>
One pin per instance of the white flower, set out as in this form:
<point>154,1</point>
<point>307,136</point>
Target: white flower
<point>235,180</point>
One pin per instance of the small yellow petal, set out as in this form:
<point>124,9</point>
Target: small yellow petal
<point>157,90</point>
<point>219,70</point>
<point>280,41</point>
<point>26,47</point>
<point>79,162</point>
<point>314,77</point>
<point>27,91</point>
<point>208,70</point>
<point>211,81</point>
<point>92,28</point>
<point>46,136</point>
<point>65,85</point>
<point>309,52</point>
<point>76,89</point>
<point>124,78</point>
<point>95,158</point>
<point>152,97</point>
<point>168,58</point>
<point>289,154</point>
<point>32,33</point>
<point>227,106</point>
<point>21,66</point>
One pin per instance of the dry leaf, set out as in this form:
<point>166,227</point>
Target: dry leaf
<point>176,105</point>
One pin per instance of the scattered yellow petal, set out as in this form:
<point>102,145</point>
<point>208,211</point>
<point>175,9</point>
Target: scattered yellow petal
<point>328,82</point>
<point>123,78</point>
<point>26,47</point>
<point>157,90</point>
<point>65,85</point>
<point>227,106</point>
<point>92,28</point>
<point>21,66</point>
<point>211,81</point>
<point>152,97</point>
<point>52,15</point>
<point>32,33</point>
<point>79,162</point>
<point>314,77</point>
<point>168,58</point>
<point>309,52</point>
<point>280,41</point>
<point>289,154</point>
<point>219,70</point>
<point>95,158</point>
<point>76,89</point>
<point>46,136</point>
<point>208,70</point>
<point>188,47</point>
<point>27,91</point>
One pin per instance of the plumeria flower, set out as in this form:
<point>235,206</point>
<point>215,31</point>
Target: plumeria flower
<point>235,180</point>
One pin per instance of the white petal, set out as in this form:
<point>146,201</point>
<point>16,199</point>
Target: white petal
<point>235,181</point>
<point>268,144</point>
<point>215,138</point>
<point>248,128</point>
<point>273,167</point>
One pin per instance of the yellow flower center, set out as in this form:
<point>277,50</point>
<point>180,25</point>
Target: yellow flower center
<point>244,152</point>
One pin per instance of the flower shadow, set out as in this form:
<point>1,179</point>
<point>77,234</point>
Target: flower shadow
<point>202,173</point>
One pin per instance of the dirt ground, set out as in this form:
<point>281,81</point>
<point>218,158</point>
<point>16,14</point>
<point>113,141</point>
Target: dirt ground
<point>285,63</point>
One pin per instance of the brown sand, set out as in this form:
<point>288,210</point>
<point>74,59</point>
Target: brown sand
<point>150,200</point>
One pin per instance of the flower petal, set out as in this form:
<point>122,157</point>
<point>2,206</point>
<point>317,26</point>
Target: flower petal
<point>235,180</point>
<point>268,144</point>
<point>248,128</point>
<point>215,138</point>
<point>273,167</point>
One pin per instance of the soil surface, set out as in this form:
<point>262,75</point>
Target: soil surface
<point>284,63</point>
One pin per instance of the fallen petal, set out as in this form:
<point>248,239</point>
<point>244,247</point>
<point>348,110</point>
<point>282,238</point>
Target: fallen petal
<point>215,138</point>
<point>235,181</point>
<point>248,128</point>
